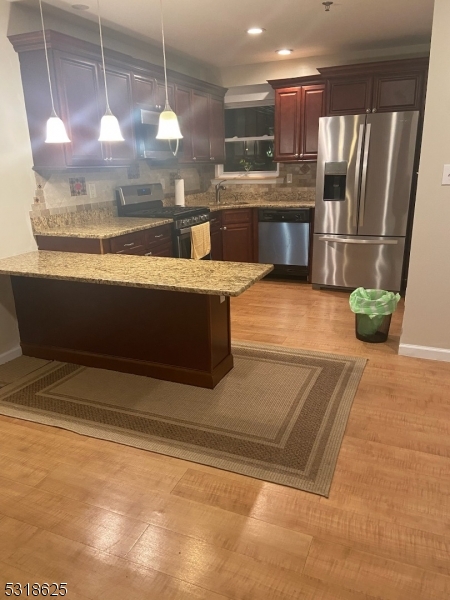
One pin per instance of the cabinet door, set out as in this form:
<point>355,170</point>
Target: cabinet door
<point>238,242</point>
<point>200,127</point>
<point>144,91</point>
<point>80,109</point>
<point>183,110</point>
<point>399,92</point>
<point>287,124</point>
<point>216,236</point>
<point>312,108</point>
<point>216,130</point>
<point>349,96</point>
<point>121,103</point>
<point>160,97</point>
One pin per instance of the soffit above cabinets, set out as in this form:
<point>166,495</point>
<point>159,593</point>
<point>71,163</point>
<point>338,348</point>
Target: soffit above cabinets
<point>215,32</point>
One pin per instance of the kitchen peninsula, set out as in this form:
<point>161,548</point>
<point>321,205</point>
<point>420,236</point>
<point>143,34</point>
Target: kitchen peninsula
<point>160,317</point>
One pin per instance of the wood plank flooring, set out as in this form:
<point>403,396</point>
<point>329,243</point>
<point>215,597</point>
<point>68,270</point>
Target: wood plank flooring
<point>116,522</point>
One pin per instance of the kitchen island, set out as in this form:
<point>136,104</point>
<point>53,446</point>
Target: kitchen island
<point>160,317</point>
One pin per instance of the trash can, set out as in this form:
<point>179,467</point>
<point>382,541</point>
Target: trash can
<point>373,312</point>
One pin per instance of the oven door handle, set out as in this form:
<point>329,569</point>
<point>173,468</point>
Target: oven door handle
<point>185,231</point>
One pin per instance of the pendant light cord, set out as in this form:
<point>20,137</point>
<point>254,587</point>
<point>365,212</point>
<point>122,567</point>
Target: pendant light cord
<point>46,58</point>
<point>164,55</point>
<point>103,55</point>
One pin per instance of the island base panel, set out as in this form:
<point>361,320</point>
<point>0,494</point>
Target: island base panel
<point>168,335</point>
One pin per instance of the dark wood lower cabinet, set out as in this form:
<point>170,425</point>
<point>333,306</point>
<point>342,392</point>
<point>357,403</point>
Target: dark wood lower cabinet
<point>156,241</point>
<point>237,235</point>
<point>173,336</point>
<point>216,236</point>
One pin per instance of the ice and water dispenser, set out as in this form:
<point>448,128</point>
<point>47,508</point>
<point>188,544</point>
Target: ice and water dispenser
<point>335,181</point>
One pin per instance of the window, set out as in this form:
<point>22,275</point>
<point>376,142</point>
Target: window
<point>249,142</point>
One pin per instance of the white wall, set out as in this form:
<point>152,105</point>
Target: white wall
<point>426,329</point>
<point>17,181</point>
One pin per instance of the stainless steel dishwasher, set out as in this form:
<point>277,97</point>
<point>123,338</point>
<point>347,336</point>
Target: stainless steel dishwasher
<point>284,239</point>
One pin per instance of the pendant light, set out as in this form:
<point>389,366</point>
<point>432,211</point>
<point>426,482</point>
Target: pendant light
<point>56,131</point>
<point>109,125</point>
<point>169,128</point>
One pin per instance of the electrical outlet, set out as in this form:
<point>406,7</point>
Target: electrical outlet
<point>163,183</point>
<point>289,178</point>
<point>92,190</point>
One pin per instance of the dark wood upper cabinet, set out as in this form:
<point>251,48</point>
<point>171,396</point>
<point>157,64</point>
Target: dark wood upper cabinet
<point>312,108</point>
<point>144,91</point>
<point>351,97</point>
<point>121,103</point>
<point>386,86</point>
<point>287,124</point>
<point>77,77</point>
<point>299,104</point>
<point>216,130</point>
<point>183,110</point>
<point>200,127</point>
<point>80,109</point>
<point>160,97</point>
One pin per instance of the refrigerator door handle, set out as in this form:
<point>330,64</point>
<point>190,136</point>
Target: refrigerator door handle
<point>362,202</point>
<point>358,172</point>
<point>327,238</point>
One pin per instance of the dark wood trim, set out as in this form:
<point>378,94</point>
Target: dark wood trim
<point>295,81</point>
<point>147,369</point>
<point>28,42</point>
<point>70,244</point>
<point>376,67</point>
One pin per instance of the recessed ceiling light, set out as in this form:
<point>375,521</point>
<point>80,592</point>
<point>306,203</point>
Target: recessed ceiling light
<point>255,30</point>
<point>284,51</point>
<point>80,6</point>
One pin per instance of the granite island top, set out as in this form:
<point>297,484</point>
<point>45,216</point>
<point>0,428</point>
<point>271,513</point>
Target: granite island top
<point>173,274</point>
<point>103,230</point>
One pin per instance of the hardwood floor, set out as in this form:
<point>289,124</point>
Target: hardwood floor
<point>116,522</point>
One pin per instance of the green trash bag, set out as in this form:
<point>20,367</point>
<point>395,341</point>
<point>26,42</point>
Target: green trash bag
<point>375,305</point>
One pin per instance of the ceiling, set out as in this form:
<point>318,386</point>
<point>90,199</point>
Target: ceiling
<point>214,31</point>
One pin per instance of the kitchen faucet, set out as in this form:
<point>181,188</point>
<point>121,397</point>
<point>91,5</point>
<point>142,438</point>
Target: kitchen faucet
<point>218,188</point>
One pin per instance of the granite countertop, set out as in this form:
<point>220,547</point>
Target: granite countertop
<point>296,204</point>
<point>174,274</point>
<point>103,229</point>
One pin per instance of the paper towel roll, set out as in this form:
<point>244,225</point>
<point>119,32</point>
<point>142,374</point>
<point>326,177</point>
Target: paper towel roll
<point>179,192</point>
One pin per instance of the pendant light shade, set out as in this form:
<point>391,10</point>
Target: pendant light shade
<point>110,129</point>
<point>109,125</point>
<point>169,128</point>
<point>56,130</point>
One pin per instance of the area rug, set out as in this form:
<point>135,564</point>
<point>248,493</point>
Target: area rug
<point>279,415</point>
<point>18,368</point>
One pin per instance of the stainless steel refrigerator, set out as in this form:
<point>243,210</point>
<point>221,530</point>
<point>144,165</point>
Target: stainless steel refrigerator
<point>364,179</point>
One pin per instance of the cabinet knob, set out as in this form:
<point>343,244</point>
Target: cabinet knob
<point>212,158</point>
<point>224,228</point>
<point>194,158</point>
<point>374,110</point>
<point>368,110</point>
<point>148,253</point>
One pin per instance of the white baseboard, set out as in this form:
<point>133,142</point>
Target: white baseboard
<point>426,352</point>
<point>10,355</point>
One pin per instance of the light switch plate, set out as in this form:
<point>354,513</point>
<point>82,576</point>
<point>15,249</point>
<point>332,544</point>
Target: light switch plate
<point>289,178</point>
<point>446,175</point>
<point>92,190</point>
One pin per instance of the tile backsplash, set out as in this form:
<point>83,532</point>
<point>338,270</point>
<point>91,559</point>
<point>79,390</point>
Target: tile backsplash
<point>63,192</point>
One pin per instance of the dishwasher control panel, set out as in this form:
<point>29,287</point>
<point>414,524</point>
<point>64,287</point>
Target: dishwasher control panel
<point>284,215</point>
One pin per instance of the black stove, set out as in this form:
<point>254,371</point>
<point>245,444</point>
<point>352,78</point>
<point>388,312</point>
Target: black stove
<point>146,201</point>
